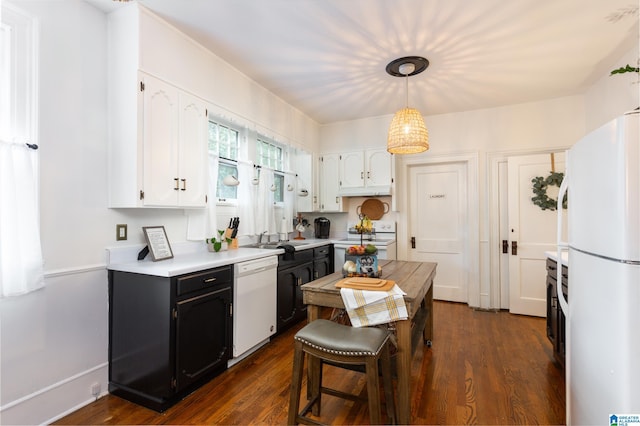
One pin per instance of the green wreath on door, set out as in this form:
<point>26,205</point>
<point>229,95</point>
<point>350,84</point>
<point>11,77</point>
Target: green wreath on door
<point>540,185</point>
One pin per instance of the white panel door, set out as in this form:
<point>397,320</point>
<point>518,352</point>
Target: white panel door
<point>438,208</point>
<point>533,231</point>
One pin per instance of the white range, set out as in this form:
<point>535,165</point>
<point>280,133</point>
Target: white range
<point>383,236</point>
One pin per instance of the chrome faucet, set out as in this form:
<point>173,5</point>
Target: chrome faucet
<point>260,237</point>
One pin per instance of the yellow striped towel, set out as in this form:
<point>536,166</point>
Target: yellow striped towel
<point>366,307</point>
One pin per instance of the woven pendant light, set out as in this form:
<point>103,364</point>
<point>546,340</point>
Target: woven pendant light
<point>407,131</point>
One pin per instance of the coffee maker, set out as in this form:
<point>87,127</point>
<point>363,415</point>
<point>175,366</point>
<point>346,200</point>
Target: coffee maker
<point>322,227</point>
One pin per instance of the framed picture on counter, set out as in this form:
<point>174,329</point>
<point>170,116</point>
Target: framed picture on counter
<point>158,242</point>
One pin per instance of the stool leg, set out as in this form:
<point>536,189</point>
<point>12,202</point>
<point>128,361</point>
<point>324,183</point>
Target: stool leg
<point>296,383</point>
<point>373,390</point>
<point>387,384</point>
<point>314,364</point>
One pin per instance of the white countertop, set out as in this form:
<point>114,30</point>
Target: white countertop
<point>554,256</point>
<point>191,257</point>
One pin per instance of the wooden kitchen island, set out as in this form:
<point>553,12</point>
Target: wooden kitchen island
<point>416,280</point>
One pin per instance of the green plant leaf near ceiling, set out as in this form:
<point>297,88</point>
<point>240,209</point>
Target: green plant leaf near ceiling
<point>626,69</point>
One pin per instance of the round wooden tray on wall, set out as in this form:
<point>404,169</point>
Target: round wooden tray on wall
<point>373,208</point>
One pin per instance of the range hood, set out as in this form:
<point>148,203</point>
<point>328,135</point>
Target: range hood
<point>365,191</point>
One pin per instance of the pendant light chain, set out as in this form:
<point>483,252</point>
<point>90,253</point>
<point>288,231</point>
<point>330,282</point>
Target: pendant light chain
<point>407,87</point>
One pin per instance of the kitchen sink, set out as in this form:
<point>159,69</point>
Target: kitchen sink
<point>262,245</point>
<point>274,244</point>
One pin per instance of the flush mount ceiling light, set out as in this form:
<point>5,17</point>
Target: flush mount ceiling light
<point>407,132</point>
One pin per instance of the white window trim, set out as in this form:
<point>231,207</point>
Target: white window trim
<point>24,41</point>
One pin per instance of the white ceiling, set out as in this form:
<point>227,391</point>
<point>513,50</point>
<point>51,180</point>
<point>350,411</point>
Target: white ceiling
<point>328,57</point>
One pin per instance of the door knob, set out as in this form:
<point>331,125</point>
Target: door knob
<point>413,242</point>
<point>514,248</point>
<point>505,246</point>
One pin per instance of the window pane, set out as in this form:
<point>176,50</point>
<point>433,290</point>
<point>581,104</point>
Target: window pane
<point>223,142</point>
<point>278,195</point>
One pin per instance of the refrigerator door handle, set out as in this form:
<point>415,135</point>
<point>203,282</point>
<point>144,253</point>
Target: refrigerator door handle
<point>561,245</point>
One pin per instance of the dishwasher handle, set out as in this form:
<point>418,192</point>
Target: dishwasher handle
<point>255,266</point>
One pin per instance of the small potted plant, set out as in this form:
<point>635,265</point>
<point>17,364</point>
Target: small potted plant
<point>214,244</point>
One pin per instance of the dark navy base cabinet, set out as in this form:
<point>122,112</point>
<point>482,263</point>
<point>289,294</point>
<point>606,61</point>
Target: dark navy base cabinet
<point>168,336</point>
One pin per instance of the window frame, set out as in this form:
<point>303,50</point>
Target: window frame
<point>19,68</point>
<point>223,160</point>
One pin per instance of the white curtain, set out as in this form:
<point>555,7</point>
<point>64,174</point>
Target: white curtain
<point>264,205</point>
<point>202,223</point>
<point>289,200</point>
<point>21,265</point>
<point>247,194</point>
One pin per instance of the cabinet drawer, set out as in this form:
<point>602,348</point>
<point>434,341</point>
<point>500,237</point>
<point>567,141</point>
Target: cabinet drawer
<point>303,256</point>
<point>321,252</point>
<point>204,279</point>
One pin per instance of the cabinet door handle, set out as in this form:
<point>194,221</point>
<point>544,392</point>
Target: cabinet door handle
<point>184,184</point>
<point>176,180</point>
<point>361,175</point>
<point>209,280</point>
<point>368,175</point>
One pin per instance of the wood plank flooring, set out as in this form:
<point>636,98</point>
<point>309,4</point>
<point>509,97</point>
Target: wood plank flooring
<point>488,368</point>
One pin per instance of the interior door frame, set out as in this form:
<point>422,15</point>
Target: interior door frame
<point>473,217</point>
<point>497,286</point>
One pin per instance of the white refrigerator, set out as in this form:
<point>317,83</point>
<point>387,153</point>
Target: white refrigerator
<point>603,307</point>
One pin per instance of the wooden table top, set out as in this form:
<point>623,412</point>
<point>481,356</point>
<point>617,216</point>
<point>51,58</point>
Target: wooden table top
<point>414,278</point>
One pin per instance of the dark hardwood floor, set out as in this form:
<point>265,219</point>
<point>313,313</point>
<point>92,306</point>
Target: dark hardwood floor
<point>488,368</point>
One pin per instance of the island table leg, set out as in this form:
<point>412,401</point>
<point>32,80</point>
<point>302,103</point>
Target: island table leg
<point>403,364</point>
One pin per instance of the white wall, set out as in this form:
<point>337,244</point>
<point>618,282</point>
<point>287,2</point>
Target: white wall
<point>54,341</point>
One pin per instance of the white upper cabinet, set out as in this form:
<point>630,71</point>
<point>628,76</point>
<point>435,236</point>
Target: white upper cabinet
<point>306,182</point>
<point>174,146</point>
<point>157,132</point>
<point>330,199</point>
<point>366,172</point>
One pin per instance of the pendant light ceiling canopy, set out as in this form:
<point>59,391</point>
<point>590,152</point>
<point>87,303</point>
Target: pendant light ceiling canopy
<point>407,132</point>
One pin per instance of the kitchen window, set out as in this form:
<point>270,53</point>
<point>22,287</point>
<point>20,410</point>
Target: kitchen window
<point>223,142</point>
<point>271,155</point>
<point>21,266</point>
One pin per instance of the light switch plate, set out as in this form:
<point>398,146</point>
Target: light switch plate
<point>121,232</point>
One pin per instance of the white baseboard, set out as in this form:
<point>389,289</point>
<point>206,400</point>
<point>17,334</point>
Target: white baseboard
<point>52,403</point>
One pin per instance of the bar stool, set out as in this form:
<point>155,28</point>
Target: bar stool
<point>327,341</point>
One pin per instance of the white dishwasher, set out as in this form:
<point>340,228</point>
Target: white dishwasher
<point>254,305</point>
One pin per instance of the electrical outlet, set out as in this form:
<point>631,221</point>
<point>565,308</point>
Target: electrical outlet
<point>121,232</point>
<point>95,389</point>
